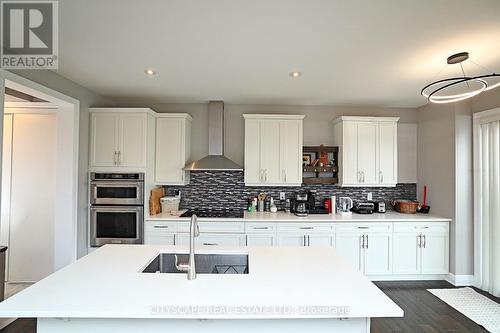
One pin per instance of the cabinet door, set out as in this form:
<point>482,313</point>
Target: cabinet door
<point>159,239</point>
<point>406,253</point>
<point>261,240</point>
<point>387,159</point>
<point>350,154</point>
<point>435,253</point>
<point>291,239</point>
<point>132,142</point>
<point>378,253</point>
<point>367,152</point>
<point>169,151</point>
<point>104,140</point>
<point>270,151</point>
<point>253,174</point>
<point>319,240</point>
<point>209,239</point>
<point>348,246</point>
<point>291,151</point>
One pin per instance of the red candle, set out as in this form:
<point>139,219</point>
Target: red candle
<point>425,195</point>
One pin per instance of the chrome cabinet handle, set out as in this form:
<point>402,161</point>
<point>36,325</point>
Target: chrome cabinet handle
<point>306,228</point>
<point>308,240</point>
<point>363,174</point>
<point>363,227</point>
<point>160,226</point>
<point>246,240</point>
<point>265,175</point>
<point>359,176</point>
<point>175,239</point>
<point>210,244</point>
<point>115,161</point>
<point>260,228</point>
<point>119,157</point>
<point>419,240</point>
<point>362,241</point>
<point>283,175</point>
<point>366,241</point>
<point>381,176</point>
<point>304,240</point>
<point>425,241</point>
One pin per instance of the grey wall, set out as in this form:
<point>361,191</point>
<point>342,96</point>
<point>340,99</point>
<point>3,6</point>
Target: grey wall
<point>445,144</point>
<point>318,128</point>
<point>87,99</point>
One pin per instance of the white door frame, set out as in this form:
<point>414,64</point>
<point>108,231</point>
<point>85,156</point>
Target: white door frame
<point>65,247</point>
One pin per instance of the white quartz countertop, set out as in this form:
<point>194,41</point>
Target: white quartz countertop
<point>390,216</point>
<point>282,283</point>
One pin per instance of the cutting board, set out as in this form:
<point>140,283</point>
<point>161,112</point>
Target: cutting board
<point>154,200</point>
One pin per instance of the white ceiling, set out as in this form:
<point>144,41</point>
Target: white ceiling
<point>351,52</point>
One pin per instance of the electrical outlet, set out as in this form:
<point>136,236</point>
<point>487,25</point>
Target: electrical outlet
<point>282,196</point>
<point>369,197</point>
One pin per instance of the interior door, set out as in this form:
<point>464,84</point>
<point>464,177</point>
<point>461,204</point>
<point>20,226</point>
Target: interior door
<point>350,153</point>
<point>406,253</point>
<point>367,152</point>
<point>291,151</point>
<point>32,203</point>
<point>348,246</point>
<point>104,139</point>
<point>252,168</point>
<point>435,253</point>
<point>270,151</point>
<point>387,137</point>
<point>378,254</point>
<point>132,150</point>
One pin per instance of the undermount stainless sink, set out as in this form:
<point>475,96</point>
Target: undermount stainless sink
<point>205,263</point>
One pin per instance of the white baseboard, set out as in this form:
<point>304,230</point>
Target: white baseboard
<point>460,280</point>
<point>408,277</point>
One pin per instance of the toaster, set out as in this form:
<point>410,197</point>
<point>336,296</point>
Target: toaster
<point>363,207</point>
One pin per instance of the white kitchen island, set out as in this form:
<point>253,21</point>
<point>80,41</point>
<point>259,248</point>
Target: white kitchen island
<point>286,289</point>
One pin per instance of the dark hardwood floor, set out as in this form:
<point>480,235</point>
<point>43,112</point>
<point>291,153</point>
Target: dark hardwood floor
<point>424,313</point>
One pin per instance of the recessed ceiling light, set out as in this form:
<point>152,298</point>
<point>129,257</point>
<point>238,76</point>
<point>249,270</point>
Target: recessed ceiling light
<point>295,74</point>
<point>150,72</point>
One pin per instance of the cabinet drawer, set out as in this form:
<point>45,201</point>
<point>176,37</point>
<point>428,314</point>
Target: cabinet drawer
<point>216,227</point>
<point>305,228</point>
<point>364,227</point>
<point>210,239</point>
<point>161,227</point>
<point>257,228</point>
<point>428,227</point>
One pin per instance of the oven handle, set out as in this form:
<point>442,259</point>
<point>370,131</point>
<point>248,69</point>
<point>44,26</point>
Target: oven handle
<point>121,209</point>
<point>117,184</point>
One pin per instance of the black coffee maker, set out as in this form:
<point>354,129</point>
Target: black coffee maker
<point>300,204</point>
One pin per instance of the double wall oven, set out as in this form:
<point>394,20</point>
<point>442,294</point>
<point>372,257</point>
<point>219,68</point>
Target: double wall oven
<point>116,208</point>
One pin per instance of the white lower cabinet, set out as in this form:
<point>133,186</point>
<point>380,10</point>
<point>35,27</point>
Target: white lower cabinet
<point>209,239</point>
<point>367,247</point>
<point>261,240</point>
<point>377,249</point>
<point>305,234</point>
<point>160,233</point>
<point>421,248</point>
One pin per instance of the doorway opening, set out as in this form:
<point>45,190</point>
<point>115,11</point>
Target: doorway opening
<point>39,178</point>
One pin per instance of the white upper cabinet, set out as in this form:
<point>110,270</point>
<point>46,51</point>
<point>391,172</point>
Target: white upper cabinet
<point>173,148</point>
<point>273,150</point>
<point>119,138</point>
<point>367,150</point>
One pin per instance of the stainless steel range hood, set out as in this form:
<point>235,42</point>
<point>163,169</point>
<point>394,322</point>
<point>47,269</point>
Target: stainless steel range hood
<point>215,159</point>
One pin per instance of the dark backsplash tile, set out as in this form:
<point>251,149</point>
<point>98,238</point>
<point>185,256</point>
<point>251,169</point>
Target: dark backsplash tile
<point>227,190</point>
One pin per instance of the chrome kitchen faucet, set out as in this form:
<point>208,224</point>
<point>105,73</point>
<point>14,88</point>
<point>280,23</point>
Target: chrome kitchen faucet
<point>190,267</point>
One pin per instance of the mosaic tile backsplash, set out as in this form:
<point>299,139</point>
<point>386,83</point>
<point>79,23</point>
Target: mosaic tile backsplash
<point>227,190</point>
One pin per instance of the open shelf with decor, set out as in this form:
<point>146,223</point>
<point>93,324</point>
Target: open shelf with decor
<point>320,165</point>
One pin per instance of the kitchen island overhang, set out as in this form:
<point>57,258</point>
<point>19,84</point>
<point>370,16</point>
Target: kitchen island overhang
<point>286,288</point>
